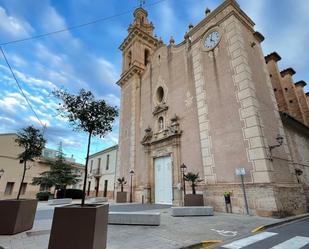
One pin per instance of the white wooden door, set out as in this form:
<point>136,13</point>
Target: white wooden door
<point>163,180</point>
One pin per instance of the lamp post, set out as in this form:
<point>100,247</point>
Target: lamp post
<point>131,187</point>
<point>279,140</point>
<point>183,168</point>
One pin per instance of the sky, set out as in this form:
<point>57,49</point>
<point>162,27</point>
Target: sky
<point>89,57</point>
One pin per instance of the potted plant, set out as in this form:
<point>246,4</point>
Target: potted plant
<point>83,226</point>
<point>193,199</point>
<point>121,196</point>
<point>18,215</point>
<point>227,197</point>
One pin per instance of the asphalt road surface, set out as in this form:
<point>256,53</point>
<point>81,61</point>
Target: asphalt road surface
<point>48,214</point>
<point>293,235</point>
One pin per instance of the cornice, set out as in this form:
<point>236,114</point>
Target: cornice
<point>136,32</point>
<point>272,56</point>
<point>289,71</point>
<point>214,13</point>
<point>127,75</point>
<point>301,83</point>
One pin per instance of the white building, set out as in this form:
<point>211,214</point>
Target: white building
<point>101,170</point>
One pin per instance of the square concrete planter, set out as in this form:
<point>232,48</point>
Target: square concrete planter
<point>121,197</point>
<point>16,216</point>
<point>79,227</point>
<point>194,200</point>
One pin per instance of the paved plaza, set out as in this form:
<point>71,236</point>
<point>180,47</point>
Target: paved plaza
<point>174,232</point>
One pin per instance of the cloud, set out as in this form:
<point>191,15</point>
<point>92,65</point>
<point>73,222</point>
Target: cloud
<point>167,19</point>
<point>14,27</point>
<point>34,81</point>
<point>33,119</point>
<point>11,104</point>
<point>112,99</point>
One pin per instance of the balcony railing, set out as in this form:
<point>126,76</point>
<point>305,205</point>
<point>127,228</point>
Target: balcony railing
<point>96,172</point>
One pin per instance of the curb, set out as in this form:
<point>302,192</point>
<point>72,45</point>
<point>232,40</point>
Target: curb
<point>286,220</point>
<point>203,244</point>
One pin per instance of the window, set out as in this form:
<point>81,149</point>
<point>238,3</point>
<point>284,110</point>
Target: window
<point>275,89</point>
<point>129,58</point>
<point>146,57</point>
<point>270,75</point>
<point>105,188</point>
<point>107,162</point>
<point>291,101</point>
<point>9,188</point>
<point>23,188</point>
<point>44,187</point>
<point>91,164</point>
<point>160,94</point>
<point>161,124</point>
<point>286,89</point>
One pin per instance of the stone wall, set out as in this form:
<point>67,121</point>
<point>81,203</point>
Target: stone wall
<point>263,199</point>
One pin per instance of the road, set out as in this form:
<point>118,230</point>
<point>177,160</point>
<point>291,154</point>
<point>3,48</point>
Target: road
<point>48,214</point>
<point>293,235</point>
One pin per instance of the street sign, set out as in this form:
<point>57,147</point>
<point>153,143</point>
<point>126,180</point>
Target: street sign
<point>240,171</point>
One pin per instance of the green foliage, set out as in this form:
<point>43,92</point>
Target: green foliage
<point>60,175</point>
<point>33,142</point>
<point>70,193</point>
<point>194,179</point>
<point>86,114</point>
<point>121,181</point>
<point>43,196</point>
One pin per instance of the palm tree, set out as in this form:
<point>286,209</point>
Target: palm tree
<point>121,181</point>
<point>194,179</point>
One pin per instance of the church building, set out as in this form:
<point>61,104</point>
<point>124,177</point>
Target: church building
<point>214,103</point>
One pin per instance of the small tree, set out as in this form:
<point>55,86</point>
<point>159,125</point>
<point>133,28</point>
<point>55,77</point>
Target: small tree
<point>194,179</point>
<point>33,142</point>
<point>89,115</point>
<point>60,175</point>
<point>121,181</point>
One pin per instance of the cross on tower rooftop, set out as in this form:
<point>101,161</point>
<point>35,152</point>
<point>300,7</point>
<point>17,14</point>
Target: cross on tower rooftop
<point>141,3</point>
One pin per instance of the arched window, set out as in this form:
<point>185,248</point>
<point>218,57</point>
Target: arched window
<point>129,58</point>
<point>146,57</point>
<point>161,124</point>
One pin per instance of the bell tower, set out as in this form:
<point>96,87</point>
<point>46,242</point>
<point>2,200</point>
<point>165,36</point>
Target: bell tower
<point>139,45</point>
<point>137,50</point>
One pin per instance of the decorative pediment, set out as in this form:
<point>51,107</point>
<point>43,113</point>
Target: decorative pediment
<point>160,108</point>
<point>170,132</point>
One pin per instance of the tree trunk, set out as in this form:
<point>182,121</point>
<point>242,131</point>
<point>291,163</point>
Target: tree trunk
<point>22,180</point>
<point>121,188</point>
<point>193,189</point>
<point>86,169</point>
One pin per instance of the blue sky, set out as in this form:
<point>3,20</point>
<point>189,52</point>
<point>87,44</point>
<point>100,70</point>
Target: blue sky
<point>89,57</point>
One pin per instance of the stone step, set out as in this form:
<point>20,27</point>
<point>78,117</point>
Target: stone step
<point>60,201</point>
<point>192,211</point>
<point>98,200</point>
<point>134,218</point>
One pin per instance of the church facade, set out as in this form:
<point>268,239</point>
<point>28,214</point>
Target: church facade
<point>214,103</point>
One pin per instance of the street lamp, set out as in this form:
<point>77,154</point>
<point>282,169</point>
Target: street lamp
<point>279,140</point>
<point>183,168</point>
<point>1,172</point>
<point>131,187</point>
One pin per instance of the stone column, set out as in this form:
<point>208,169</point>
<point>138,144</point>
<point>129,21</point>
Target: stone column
<point>299,86</point>
<point>275,77</point>
<point>293,104</point>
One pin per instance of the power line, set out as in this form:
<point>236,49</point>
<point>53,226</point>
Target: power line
<point>77,26</point>
<point>21,90</point>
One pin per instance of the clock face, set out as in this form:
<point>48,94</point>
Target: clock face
<point>212,40</point>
